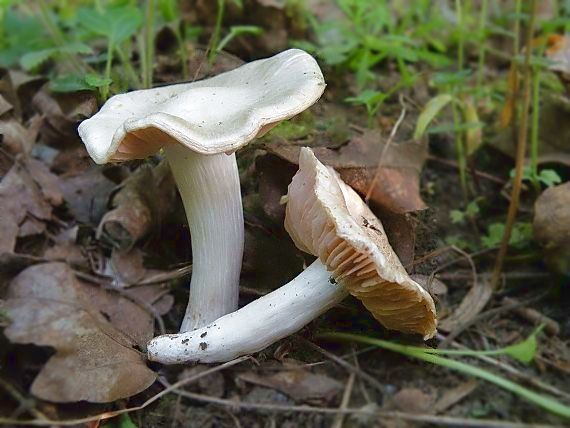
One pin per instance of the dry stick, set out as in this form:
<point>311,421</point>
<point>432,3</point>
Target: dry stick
<point>339,418</point>
<point>25,403</point>
<point>384,151</point>
<point>453,164</point>
<point>360,383</point>
<point>351,369</point>
<point>520,156</point>
<point>437,420</point>
<point>534,316</point>
<point>514,275</point>
<point>114,413</point>
<point>491,312</point>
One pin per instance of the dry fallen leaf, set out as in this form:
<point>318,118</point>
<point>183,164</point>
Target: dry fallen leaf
<point>93,360</point>
<point>25,195</point>
<point>142,202</point>
<point>413,400</point>
<point>452,396</point>
<point>17,138</point>
<point>300,385</point>
<point>212,385</point>
<point>86,194</point>
<point>397,186</point>
<point>62,112</point>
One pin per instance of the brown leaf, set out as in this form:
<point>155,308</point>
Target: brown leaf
<point>17,138</point>
<point>454,395</point>
<point>129,311</point>
<point>212,385</point>
<point>474,301</point>
<point>558,53</point>
<point>5,106</point>
<point>142,202</point>
<point>86,194</point>
<point>413,400</point>
<point>22,198</point>
<point>274,175</point>
<point>62,112</point>
<point>93,361</point>
<point>397,185</point>
<point>300,385</point>
<point>127,267</point>
<point>434,286</point>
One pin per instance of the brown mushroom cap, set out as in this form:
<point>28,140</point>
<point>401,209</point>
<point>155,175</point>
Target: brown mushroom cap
<point>328,219</point>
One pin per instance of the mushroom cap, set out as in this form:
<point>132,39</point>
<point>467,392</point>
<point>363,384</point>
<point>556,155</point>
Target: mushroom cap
<point>328,219</point>
<point>215,115</point>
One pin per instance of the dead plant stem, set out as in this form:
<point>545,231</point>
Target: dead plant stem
<point>520,155</point>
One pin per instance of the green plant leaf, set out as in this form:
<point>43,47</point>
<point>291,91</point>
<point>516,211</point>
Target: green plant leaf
<point>236,31</point>
<point>430,111</point>
<point>549,177</point>
<point>457,216</point>
<point>96,81</point>
<point>169,10</point>
<point>116,24</point>
<point>70,83</point>
<point>526,350</point>
<point>33,60</point>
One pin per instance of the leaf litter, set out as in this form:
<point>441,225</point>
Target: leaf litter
<point>94,361</point>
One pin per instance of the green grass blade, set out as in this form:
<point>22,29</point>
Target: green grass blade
<point>543,401</point>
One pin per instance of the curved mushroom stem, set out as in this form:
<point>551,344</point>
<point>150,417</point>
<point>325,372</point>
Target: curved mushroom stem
<point>255,326</point>
<point>210,190</point>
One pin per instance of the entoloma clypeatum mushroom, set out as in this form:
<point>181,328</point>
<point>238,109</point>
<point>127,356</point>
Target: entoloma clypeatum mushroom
<point>326,218</point>
<point>200,125</point>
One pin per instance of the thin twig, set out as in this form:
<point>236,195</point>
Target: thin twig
<point>339,418</point>
<point>453,164</point>
<point>484,315</point>
<point>25,403</point>
<point>346,365</point>
<point>437,420</point>
<point>360,383</point>
<point>384,151</point>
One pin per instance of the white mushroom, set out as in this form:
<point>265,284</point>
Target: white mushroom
<point>199,125</point>
<point>325,217</point>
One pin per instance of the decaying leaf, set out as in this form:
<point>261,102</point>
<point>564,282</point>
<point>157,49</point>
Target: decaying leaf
<point>212,385</point>
<point>454,395</point>
<point>397,187</point>
<point>17,138</point>
<point>300,385</point>
<point>28,193</point>
<point>62,112</point>
<point>86,194</point>
<point>93,361</point>
<point>559,53</point>
<point>413,400</point>
<point>141,203</point>
<point>474,301</point>
<point>274,175</point>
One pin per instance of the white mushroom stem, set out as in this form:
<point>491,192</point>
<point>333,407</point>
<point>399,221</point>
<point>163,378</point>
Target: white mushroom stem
<point>210,190</point>
<point>255,326</point>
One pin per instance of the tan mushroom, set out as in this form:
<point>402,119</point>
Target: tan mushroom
<point>326,218</point>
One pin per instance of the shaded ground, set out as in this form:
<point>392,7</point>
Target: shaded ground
<point>118,247</point>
